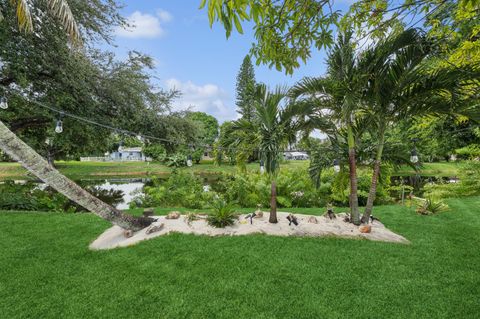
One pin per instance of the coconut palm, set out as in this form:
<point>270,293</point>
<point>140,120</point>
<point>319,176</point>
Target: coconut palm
<point>275,128</point>
<point>337,95</point>
<point>401,84</point>
<point>33,162</point>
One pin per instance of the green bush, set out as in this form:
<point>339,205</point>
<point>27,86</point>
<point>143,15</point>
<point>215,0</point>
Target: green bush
<point>340,191</point>
<point>468,184</point>
<point>29,197</point>
<point>180,189</point>
<point>223,214</point>
<point>157,152</point>
<point>431,206</point>
<point>468,152</point>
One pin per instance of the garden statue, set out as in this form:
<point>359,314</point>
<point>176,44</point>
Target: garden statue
<point>330,214</point>
<point>292,219</point>
<point>251,217</point>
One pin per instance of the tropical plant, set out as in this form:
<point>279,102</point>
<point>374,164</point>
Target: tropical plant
<point>182,188</point>
<point>401,84</point>
<point>338,95</point>
<point>57,8</point>
<point>223,214</point>
<point>430,206</point>
<point>276,128</point>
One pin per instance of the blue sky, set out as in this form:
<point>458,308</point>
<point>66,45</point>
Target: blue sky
<point>194,58</point>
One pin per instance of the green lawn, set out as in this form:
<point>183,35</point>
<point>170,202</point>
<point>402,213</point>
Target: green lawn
<point>92,170</point>
<point>47,271</point>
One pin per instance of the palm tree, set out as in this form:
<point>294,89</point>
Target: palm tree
<point>57,8</point>
<point>33,162</point>
<point>401,84</point>
<point>275,128</point>
<point>338,94</point>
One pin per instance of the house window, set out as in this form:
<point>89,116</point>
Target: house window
<point>205,154</point>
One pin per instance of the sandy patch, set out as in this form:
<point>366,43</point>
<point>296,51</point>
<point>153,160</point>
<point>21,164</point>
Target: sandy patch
<point>114,236</point>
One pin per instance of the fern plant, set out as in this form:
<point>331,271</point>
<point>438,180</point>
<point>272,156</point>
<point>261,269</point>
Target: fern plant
<point>223,214</point>
<point>431,206</point>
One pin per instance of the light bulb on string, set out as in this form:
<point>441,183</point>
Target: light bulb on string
<point>59,126</point>
<point>189,161</point>
<point>3,103</point>
<point>336,165</point>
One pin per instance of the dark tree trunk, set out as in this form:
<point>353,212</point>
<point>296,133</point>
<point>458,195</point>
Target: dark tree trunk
<point>34,163</point>
<point>354,213</point>
<point>376,173</point>
<point>273,203</point>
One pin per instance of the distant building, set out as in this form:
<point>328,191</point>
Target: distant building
<point>128,154</point>
<point>295,156</point>
<point>123,154</point>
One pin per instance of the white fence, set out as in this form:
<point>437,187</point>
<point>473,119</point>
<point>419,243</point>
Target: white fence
<point>108,159</point>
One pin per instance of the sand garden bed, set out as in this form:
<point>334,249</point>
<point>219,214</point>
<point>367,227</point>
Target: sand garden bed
<point>308,225</point>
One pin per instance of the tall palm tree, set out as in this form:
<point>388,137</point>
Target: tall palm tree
<point>275,128</point>
<point>401,84</point>
<point>338,93</point>
<point>33,162</point>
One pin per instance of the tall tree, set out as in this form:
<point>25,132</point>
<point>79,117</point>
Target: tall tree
<point>9,142</point>
<point>246,89</point>
<point>338,92</point>
<point>403,82</point>
<point>277,129</point>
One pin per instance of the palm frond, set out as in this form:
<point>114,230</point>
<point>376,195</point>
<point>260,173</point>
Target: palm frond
<point>61,10</point>
<point>24,16</point>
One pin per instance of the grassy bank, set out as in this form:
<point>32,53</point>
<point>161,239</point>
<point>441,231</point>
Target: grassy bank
<point>92,170</point>
<point>47,271</point>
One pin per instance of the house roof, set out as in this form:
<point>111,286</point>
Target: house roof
<point>297,153</point>
<point>130,149</point>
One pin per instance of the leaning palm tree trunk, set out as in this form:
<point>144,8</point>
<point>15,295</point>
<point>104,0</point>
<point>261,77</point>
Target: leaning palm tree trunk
<point>354,213</point>
<point>273,203</point>
<point>376,172</point>
<point>34,163</point>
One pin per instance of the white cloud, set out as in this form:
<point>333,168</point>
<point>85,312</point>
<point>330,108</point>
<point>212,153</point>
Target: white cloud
<point>164,16</point>
<point>144,25</point>
<point>208,98</point>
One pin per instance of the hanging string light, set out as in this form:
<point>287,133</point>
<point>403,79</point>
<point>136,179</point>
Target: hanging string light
<point>59,126</point>
<point>336,165</point>
<point>3,103</point>
<point>189,157</point>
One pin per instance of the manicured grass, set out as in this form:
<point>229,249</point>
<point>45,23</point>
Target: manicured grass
<point>47,271</point>
<point>92,170</point>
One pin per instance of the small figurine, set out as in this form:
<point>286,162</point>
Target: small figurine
<point>251,217</point>
<point>330,214</point>
<point>292,219</point>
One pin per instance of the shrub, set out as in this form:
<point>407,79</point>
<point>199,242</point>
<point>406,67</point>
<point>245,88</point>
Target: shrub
<point>431,206</point>
<point>341,186</point>
<point>157,152</point>
<point>468,185</point>
<point>223,214</point>
<point>468,152</point>
<point>176,160</point>
<point>182,188</point>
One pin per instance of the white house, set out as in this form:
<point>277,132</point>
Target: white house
<point>127,154</point>
<point>295,155</point>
